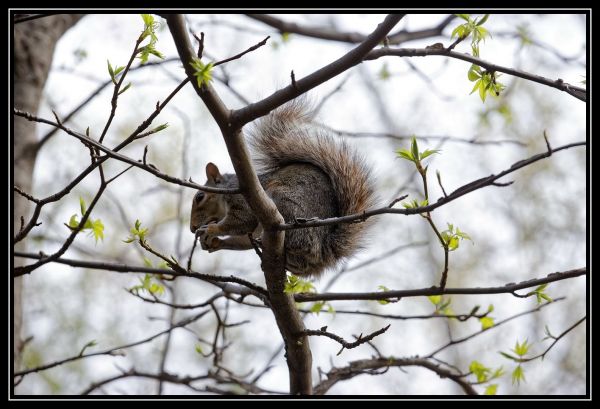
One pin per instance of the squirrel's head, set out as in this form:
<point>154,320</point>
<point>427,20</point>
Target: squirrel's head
<point>208,207</point>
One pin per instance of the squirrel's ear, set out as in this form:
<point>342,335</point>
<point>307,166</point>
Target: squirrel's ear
<point>212,173</point>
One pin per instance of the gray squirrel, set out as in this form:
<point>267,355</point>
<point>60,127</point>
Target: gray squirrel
<point>307,174</point>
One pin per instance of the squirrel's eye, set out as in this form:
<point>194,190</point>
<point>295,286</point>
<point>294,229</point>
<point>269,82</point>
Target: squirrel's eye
<point>199,196</point>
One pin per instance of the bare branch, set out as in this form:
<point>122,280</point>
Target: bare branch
<point>345,344</point>
<point>370,366</point>
<point>112,351</point>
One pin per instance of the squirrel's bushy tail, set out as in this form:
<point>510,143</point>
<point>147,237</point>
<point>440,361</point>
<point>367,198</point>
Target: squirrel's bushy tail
<point>286,136</point>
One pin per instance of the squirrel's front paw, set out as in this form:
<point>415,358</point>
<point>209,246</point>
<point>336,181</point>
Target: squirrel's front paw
<point>210,243</point>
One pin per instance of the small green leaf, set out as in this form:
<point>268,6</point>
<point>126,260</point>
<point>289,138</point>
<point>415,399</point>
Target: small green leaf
<point>473,73</point>
<point>110,71</point>
<point>73,221</point>
<point>148,19</point>
<point>486,322</point>
<point>82,206</point>
<point>435,299</point>
<point>465,17</point>
<point>98,229</point>
<point>518,375</point>
<point>491,389</point>
<point>383,288</point>
<point>405,154</point>
<point>316,308</point>
<point>479,370</point>
<point>125,88</point>
<point>118,70</point>
<point>414,148</point>
<point>521,349</point>
<point>476,86</point>
<point>198,349</point>
<point>482,90</point>
<point>509,356</point>
<point>160,128</point>
<point>483,20</point>
<point>203,73</point>
<point>147,262</point>
<point>285,37</point>
<point>429,152</point>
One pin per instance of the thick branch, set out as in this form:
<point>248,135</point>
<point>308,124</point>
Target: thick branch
<point>353,57</point>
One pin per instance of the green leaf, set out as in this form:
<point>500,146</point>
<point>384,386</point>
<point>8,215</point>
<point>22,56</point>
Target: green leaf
<point>203,73</point>
<point>479,370</point>
<point>110,71</point>
<point>482,90</point>
<point>82,206</point>
<point>483,20</point>
<point>509,356</point>
<point>414,148</point>
<point>148,19</point>
<point>98,229</point>
<point>429,152</point>
<point>160,128</point>
<point>472,74</point>
<point>521,349</point>
<point>198,349</point>
<point>486,322</point>
<point>73,221</point>
<point>453,243</point>
<point>435,299</point>
<point>405,154</point>
<point>518,375</point>
<point>88,345</point>
<point>296,285</point>
<point>491,389</point>
<point>476,86</point>
<point>465,17</point>
<point>285,37</point>
<point>118,70</point>
<point>317,307</point>
<point>147,262</point>
<point>383,288</point>
<point>125,88</point>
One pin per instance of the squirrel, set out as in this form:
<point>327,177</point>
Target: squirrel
<point>308,174</point>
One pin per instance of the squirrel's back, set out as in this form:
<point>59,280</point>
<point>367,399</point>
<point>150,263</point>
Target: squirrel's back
<point>330,180</point>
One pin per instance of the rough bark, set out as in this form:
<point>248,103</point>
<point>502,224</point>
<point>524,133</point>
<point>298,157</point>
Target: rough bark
<point>33,49</point>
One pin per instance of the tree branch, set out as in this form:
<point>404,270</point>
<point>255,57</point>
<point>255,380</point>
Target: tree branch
<point>369,366</point>
<point>398,294</point>
<point>112,351</point>
<point>577,92</point>
<point>461,191</point>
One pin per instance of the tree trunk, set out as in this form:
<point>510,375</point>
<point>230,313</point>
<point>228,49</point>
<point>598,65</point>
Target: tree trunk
<point>33,48</point>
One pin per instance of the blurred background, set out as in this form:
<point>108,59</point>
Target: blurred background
<point>527,230</point>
